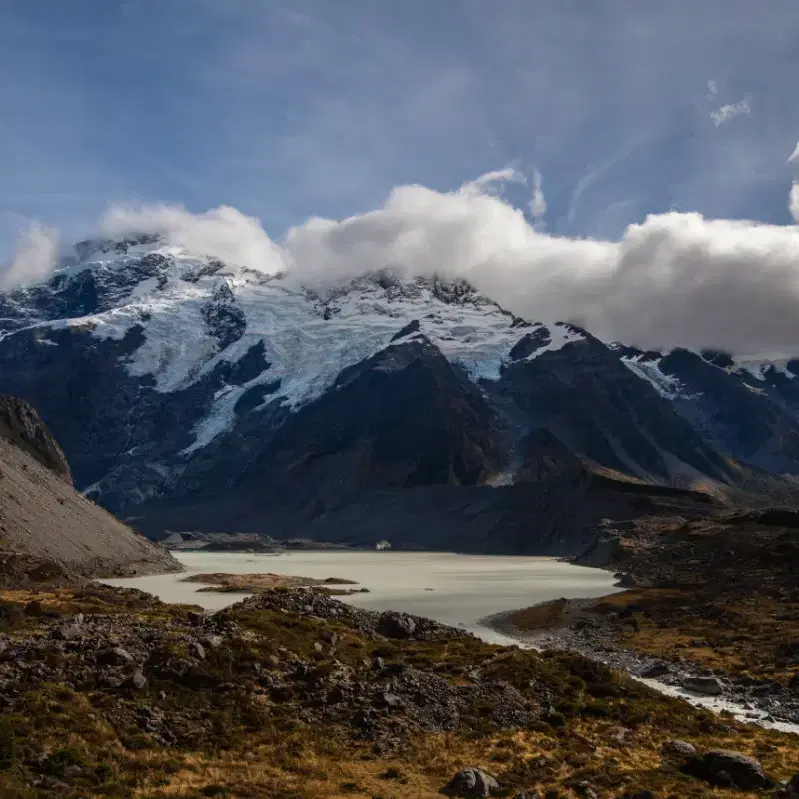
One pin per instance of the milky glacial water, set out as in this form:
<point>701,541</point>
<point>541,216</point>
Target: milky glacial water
<point>459,590</point>
<point>453,589</point>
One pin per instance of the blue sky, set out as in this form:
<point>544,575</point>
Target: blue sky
<point>291,109</point>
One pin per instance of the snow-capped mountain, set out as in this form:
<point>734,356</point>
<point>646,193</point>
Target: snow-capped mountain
<point>189,394</point>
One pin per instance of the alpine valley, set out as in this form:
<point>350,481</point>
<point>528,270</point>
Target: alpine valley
<point>189,394</point>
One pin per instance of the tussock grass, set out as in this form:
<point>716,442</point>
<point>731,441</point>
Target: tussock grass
<point>603,728</point>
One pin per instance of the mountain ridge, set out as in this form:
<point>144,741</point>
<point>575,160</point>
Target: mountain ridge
<point>179,378</point>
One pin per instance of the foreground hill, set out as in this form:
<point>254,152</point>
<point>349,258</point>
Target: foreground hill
<point>47,529</point>
<point>293,695</point>
<point>712,606</point>
<point>194,395</point>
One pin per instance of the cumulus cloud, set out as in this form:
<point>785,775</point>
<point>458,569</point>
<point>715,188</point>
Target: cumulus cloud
<point>223,233</point>
<point>35,256</point>
<point>731,110</point>
<point>676,279</point>
<point>712,89</point>
<point>793,203</point>
<point>794,157</point>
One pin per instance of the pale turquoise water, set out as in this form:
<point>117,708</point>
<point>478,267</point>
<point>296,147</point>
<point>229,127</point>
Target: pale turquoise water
<point>465,588</point>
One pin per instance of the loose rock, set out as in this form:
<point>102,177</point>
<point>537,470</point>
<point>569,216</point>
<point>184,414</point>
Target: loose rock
<point>678,749</point>
<point>70,631</point>
<point>471,783</point>
<point>138,680</point>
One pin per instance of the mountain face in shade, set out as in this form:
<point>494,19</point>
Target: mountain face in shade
<point>191,394</point>
<point>49,531</point>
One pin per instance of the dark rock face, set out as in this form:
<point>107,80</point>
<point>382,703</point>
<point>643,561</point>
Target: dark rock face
<point>403,419</point>
<point>406,445</point>
<point>21,425</point>
<point>225,322</point>
<point>753,420</point>
<point>600,410</point>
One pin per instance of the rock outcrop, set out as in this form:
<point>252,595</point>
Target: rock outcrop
<point>48,531</point>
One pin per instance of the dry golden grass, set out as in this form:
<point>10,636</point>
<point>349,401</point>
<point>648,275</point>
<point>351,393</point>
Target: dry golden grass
<point>310,765</point>
<point>611,739</point>
<point>741,637</point>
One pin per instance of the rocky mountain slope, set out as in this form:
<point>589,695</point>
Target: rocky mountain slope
<point>191,394</point>
<point>47,529</point>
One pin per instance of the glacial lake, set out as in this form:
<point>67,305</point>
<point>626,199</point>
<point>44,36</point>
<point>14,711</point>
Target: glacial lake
<point>458,590</point>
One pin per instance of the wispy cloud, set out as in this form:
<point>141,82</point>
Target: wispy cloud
<point>731,110</point>
<point>538,205</point>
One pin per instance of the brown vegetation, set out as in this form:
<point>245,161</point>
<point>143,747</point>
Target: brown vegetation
<point>240,740</point>
<point>223,582</point>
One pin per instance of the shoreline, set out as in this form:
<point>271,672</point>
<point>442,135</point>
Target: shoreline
<point>579,632</point>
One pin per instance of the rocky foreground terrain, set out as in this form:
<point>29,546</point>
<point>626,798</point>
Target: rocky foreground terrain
<point>47,529</point>
<point>292,694</point>
<point>712,606</point>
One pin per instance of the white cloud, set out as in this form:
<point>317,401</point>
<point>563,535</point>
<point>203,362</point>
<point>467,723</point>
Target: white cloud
<point>793,204</point>
<point>223,233</point>
<point>490,181</point>
<point>538,205</point>
<point>731,110</point>
<point>712,89</point>
<point>35,256</point>
<point>676,279</point>
<point>794,157</point>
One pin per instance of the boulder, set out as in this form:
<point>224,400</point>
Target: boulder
<point>396,625</point>
<point>655,670</point>
<point>678,748</point>
<point>471,783</point>
<point>115,657</point>
<point>137,680</point>
<point>712,686</point>
<point>70,631</point>
<point>727,769</point>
